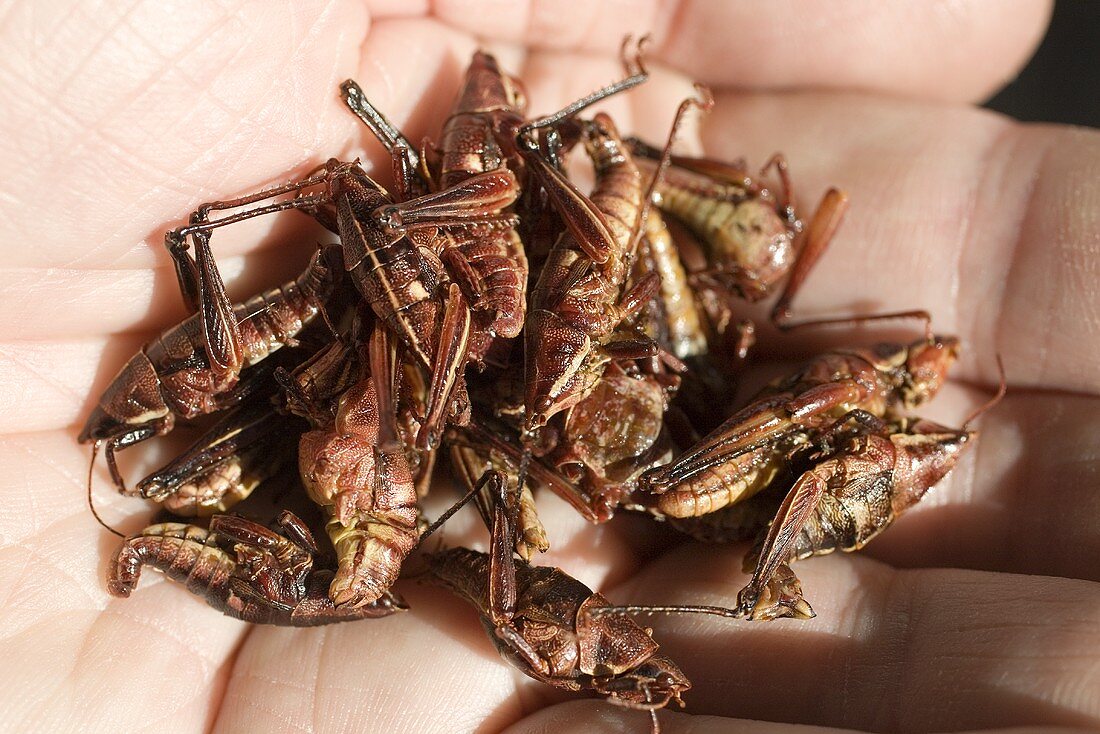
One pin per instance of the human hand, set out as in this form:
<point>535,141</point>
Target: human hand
<point>119,121</point>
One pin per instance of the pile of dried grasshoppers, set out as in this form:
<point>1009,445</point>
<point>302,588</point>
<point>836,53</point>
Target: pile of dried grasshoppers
<point>601,330</point>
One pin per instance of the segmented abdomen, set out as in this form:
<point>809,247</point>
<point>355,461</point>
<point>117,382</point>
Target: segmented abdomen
<point>185,553</point>
<point>466,573</point>
<point>369,495</point>
<point>468,149</point>
<point>269,321</point>
<point>187,383</point>
<point>721,485</point>
<point>498,259</point>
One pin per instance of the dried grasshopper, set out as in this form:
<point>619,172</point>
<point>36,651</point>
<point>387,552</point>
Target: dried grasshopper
<point>197,366</point>
<point>355,467</point>
<point>541,622</point>
<point>484,259</point>
<point>243,570</point>
<point>580,298</point>
<point>858,481</point>
<point>853,480</point>
<point>744,454</point>
<point>408,292</point>
<point>849,484</point>
<point>248,446</point>
<point>751,237</point>
<point>489,263</point>
<point>857,478</point>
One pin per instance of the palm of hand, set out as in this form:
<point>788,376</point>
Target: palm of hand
<point>983,221</point>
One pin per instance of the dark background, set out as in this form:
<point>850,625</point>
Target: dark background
<point>1062,81</point>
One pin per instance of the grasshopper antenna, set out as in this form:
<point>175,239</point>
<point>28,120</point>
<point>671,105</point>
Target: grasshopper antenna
<point>91,503</point>
<point>447,515</point>
<point>997,397</point>
<point>782,312</point>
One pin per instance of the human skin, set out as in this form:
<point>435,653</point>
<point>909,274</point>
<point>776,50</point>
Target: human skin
<point>979,610</point>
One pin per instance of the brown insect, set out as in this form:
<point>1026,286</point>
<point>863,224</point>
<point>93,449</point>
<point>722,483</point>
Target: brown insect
<point>858,481</point>
<point>751,238</point>
<point>484,259</point>
<point>851,482</point>
<point>196,367</point>
<point>579,300</point>
<point>540,620</point>
<point>489,263</point>
<point>356,469</point>
<point>225,464</point>
<point>243,570</point>
<point>858,477</point>
<point>610,437</point>
<point>743,455</point>
<point>405,290</point>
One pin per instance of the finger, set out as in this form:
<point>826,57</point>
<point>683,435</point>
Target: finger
<point>1023,501</point>
<point>926,650</point>
<point>67,304</point>
<point>984,222</point>
<point>928,50</point>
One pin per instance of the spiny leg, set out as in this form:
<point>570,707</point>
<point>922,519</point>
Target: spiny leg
<point>774,590</point>
<point>386,132</point>
<point>502,572</point>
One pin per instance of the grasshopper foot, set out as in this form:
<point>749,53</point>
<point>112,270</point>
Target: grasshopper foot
<point>779,596</point>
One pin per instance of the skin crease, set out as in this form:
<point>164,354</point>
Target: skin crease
<point>118,120</point>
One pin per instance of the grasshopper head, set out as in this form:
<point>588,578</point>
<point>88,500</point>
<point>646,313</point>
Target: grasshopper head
<point>131,402</point>
<point>926,368</point>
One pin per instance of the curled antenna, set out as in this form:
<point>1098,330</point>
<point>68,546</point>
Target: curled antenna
<point>91,503</point>
<point>997,397</point>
